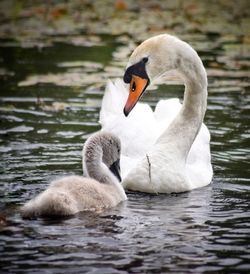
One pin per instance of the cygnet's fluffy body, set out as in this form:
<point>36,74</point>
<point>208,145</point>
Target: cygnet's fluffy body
<point>72,194</point>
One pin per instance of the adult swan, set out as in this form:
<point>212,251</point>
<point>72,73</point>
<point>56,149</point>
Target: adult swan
<point>166,150</point>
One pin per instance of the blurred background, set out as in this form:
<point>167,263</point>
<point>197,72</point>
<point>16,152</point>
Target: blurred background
<point>55,59</point>
<point>220,28</point>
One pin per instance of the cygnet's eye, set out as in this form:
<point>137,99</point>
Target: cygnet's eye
<point>133,86</point>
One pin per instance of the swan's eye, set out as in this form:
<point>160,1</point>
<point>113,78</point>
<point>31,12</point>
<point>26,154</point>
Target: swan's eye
<point>145,59</point>
<point>133,86</point>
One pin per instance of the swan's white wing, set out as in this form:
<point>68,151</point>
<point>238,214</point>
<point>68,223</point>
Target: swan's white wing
<point>199,168</point>
<point>112,103</point>
<point>167,109</point>
<point>165,112</point>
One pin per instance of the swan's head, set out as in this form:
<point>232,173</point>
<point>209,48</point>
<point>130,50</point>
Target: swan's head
<point>150,60</point>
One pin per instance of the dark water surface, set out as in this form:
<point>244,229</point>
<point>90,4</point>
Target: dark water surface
<point>49,104</point>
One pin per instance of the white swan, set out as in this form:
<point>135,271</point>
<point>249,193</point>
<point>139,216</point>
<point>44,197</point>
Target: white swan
<point>71,194</point>
<point>166,150</point>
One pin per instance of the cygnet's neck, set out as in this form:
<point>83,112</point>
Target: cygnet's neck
<point>181,133</point>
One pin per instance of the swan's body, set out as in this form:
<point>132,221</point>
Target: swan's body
<point>166,150</point>
<point>72,194</point>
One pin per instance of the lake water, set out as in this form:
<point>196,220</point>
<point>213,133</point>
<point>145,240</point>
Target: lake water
<point>49,104</point>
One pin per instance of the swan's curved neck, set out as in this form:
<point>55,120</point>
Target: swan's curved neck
<point>181,133</point>
<point>94,167</point>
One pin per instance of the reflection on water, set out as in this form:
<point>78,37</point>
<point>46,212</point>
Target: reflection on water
<point>44,123</point>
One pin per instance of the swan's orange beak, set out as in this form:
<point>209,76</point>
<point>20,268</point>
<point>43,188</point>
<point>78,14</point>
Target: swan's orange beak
<point>136,89</point>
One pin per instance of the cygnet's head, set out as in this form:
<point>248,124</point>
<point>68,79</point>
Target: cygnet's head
<point>105,147</point>
<point>111,148</point>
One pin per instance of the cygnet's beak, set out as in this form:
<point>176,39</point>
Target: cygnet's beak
<point>136,89</point>
<point>115,169</point>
